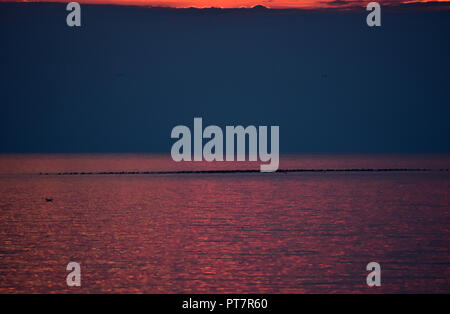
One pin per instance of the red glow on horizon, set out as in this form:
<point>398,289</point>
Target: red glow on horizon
<point>273,4</point>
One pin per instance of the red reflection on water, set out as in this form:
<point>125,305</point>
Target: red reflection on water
<point>276,233</point>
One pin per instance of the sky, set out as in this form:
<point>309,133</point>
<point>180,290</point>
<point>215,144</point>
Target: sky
<point>124,79</point>
<point>241,3</point>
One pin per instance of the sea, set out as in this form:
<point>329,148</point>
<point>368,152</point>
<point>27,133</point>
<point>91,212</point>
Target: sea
<point>142,223</point>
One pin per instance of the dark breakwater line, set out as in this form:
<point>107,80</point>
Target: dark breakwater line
<point>238,171</point>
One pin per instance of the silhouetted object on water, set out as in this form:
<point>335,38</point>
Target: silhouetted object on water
<point>48,199</point>
<point>246,171</point>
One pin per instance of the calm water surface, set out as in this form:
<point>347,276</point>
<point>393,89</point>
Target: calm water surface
<point>232,233</point>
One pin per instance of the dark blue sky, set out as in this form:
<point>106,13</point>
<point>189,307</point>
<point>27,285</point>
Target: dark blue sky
<point>122,81</point>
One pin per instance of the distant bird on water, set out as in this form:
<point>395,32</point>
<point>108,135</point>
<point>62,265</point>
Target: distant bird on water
<point>48,199</point>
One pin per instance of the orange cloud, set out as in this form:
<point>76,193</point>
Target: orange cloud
<point>242,3</point>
